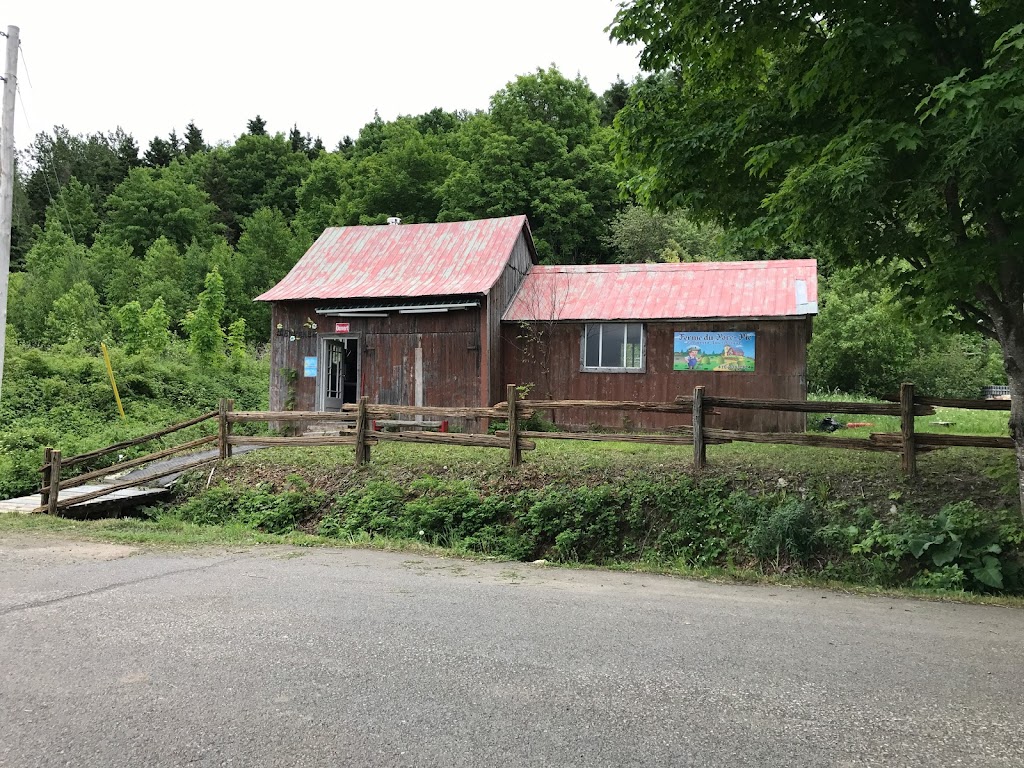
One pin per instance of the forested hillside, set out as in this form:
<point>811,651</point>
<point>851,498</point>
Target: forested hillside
<point>101,224</point>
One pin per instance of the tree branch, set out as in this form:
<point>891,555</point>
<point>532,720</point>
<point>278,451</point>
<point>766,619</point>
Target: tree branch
<point>981,319</point>
<point>956,214</point>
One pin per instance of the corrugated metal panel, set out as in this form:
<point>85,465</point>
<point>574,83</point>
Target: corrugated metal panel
<point>464,257</point>
<point>667,291</point>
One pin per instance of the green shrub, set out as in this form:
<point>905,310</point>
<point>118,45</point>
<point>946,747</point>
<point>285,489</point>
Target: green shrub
<point>962,536</point>
<point>783,535</point>
<point>64,399</point>
<point>676,521</point>
<point>257,508</point>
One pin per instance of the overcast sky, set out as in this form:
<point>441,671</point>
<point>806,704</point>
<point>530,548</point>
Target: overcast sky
<point>153,66</point>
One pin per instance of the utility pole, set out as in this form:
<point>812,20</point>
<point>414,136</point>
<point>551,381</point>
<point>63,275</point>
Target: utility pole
<point>7,182</point>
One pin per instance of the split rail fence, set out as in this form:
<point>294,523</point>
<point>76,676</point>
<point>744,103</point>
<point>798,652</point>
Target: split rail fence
<point>54,465</point>
<point>356,427</point>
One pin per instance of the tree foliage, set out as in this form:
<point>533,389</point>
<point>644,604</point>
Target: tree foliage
<point>154,203</point>
<point>203,324</point>
<point>880,132</point>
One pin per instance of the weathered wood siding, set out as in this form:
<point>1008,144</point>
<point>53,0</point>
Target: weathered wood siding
<point>548,356</point>
<point>387,356</point>
<point>498,299</point>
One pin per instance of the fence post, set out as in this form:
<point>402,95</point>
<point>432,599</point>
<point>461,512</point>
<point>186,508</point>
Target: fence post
<point>700,450</point>
<point>44,486</point>
<point>229,407</point>
<point>222,427</point>
<point>514,454</point>
<point>51,501</point>
<point>362,449</point>
<point>907,427</point>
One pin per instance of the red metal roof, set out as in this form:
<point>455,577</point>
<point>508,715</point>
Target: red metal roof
<point>668,291</point>
<point>403,260</point>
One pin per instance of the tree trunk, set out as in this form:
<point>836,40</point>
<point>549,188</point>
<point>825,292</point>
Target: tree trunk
<point>1011,340</point>
<point>1015,378</point>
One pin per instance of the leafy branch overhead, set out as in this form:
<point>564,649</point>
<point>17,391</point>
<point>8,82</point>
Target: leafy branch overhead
<point>875,132</point>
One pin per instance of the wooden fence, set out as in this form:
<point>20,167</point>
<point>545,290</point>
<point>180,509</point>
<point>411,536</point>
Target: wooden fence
<point>360,434</point>
<point>355,427</point>
<point>54,465</point>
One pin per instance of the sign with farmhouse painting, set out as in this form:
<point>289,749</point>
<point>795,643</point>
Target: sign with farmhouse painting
<point>713,351</point>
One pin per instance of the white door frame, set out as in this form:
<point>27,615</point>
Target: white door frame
<point>321,369</point>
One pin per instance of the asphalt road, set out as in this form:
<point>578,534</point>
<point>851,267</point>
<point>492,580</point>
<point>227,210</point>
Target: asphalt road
<point>110,657</point>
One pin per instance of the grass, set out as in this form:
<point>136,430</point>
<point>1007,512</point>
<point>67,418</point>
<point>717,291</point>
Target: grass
<point>168,532</point>
<point>985,475</point>
<point>961,421</point>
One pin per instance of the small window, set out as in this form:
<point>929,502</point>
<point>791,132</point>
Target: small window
<point>613,347</point>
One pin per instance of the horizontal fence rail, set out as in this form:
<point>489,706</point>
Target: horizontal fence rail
<point>84,457</point>
<point>952,402</point>
<point>54,465</point>
<point>813,406</point>
<point>356,425</point>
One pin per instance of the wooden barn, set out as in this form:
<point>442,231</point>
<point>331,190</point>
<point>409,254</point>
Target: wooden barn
<point>447,314</point>
<point>406,314</point>
<point>650,332</point>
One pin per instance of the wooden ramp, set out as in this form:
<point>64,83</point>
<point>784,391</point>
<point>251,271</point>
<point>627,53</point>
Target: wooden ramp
<point>102,506</point>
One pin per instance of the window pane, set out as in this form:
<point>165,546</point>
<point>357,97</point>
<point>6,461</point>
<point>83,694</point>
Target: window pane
<point>592,356</point>
<point>612,343</point>
<point>634,345</point>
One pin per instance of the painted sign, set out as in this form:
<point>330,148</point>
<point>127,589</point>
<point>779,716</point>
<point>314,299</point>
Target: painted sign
<point>309,367</point>
<point>341,327</point>
<point>713,351</point>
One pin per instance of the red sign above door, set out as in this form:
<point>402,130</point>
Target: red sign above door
<point>341,327</point>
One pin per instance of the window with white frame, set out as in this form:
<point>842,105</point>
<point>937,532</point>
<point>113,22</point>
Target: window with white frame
<point>613,347</point>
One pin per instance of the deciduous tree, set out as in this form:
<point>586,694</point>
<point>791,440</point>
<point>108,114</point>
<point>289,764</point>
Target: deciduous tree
<point>886,132</point>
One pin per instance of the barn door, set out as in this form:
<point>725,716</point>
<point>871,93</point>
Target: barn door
<point>339,378</point>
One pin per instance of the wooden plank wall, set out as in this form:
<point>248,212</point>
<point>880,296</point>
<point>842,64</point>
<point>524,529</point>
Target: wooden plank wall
<point>498,299</point>
<point>554,369</point>
<point>451,355</point>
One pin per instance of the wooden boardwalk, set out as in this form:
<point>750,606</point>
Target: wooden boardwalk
<point>127,497</point>
<point>154,483</point>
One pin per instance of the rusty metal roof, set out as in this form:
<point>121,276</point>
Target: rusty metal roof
<point>668,291</point>
<point>463,257</point>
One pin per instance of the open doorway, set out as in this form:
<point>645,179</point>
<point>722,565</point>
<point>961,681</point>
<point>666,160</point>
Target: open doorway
<point>339,380</point>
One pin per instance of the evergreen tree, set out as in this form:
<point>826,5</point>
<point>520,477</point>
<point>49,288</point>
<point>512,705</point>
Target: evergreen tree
<point>257,126</point>
<point>612,100</point>
<point>174,144</point>
<point>193,140</point>
<point>298,142</point>
<point>127,151</point>
<point>159,154</point>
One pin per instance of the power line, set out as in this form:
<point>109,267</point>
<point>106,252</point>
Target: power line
<point>24,63</point>
<point>59,201</point>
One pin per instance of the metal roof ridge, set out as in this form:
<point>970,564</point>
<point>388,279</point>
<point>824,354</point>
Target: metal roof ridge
<point>421,224</point>
<point>582,269</point>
